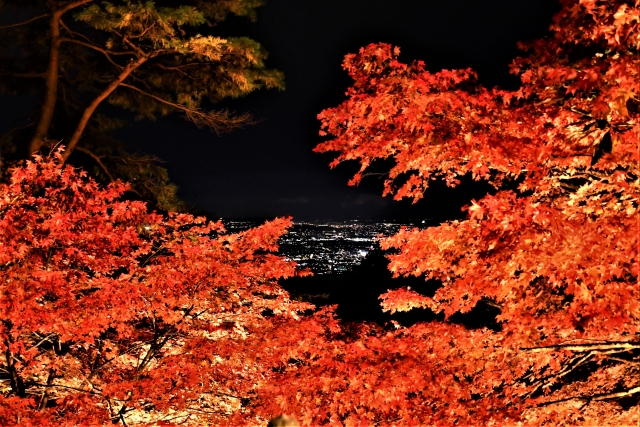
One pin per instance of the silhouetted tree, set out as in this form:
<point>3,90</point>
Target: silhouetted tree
<point>149,58</point>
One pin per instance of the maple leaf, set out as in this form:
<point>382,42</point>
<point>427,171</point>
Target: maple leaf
<point>475,211</point>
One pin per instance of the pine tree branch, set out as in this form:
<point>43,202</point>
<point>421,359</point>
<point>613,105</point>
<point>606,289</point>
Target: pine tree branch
<point>218,121</point>
<point>143,32</point>
<point>178,67</point>
<point>91,108</point>
<point>133,45</point>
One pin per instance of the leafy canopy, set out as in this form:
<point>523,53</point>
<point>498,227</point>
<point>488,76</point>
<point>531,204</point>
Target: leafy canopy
<point>558,256</point>
<point>110,314</point>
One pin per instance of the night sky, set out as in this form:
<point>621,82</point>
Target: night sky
<point>268,169</point>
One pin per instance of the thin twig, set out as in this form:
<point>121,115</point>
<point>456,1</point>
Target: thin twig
<point>43,340</point>
<point>216,121</point>
<point>23,75</point>
<point>596,397</point>
<point>10,131</point>
<point>584,347</point>
<point>68,387</point>
<point>105,52</point>
<point>24,22</point>
<point>98,161</point>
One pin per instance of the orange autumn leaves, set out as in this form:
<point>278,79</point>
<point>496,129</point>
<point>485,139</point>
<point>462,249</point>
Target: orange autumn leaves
<point>112,314</point>
<point>559,256</point>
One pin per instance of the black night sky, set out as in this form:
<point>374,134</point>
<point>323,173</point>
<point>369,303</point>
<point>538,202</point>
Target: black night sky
<point>268,169</point>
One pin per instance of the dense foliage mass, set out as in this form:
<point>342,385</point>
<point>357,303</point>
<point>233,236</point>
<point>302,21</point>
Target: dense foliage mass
<point>151,58</point>
<point>112,314</point>
<point>558,255</point>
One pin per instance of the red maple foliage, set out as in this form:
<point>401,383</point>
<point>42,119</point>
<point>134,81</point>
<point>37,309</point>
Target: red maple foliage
<point>558,257</point>
<point>110,314</point>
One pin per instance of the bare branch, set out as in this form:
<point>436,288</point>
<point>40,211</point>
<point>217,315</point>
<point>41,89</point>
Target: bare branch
<point>584,347</point>
<point>178,67</point>
<point>492,303</point>
<point>73,5</point>
<point>98,161</point>
<point>105,52</point>
<point>23,75</point>
<point>571,366</point>
<point>618,394</point>
<point>605,396</point>
<point>24,22</point>
<point>95,47</point>
<point>144,32</point>
<point>631,362</point>
<point>43,340</point>
<point>72,33</point>
<point>68,388</point>
<point>134,47</point>
<point>10,131</point>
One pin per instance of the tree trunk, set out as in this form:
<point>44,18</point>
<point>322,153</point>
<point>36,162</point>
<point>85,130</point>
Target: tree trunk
<point>88,112</point>
<point>51,75</point>
<point>17,384</point>
<point>51,84</point>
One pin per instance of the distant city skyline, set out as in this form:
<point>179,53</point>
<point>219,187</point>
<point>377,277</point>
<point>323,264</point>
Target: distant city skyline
<point>330,247</point>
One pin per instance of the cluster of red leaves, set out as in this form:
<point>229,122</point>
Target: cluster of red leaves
<point>112,314</point>
<point>558,257</point>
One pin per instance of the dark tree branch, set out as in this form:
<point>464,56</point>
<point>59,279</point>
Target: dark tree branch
<point>618,359</point>
<point>105,52</point>
<point>73,5</point>
<point>45,393</point>
<point>10,131</point>
<point>17,384</point>
<point>96,47</point>
<point>570,367</point>
<point>23,75</point>
<point>91,108</point>
<point>24,22</point>
<point>48,385</point>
